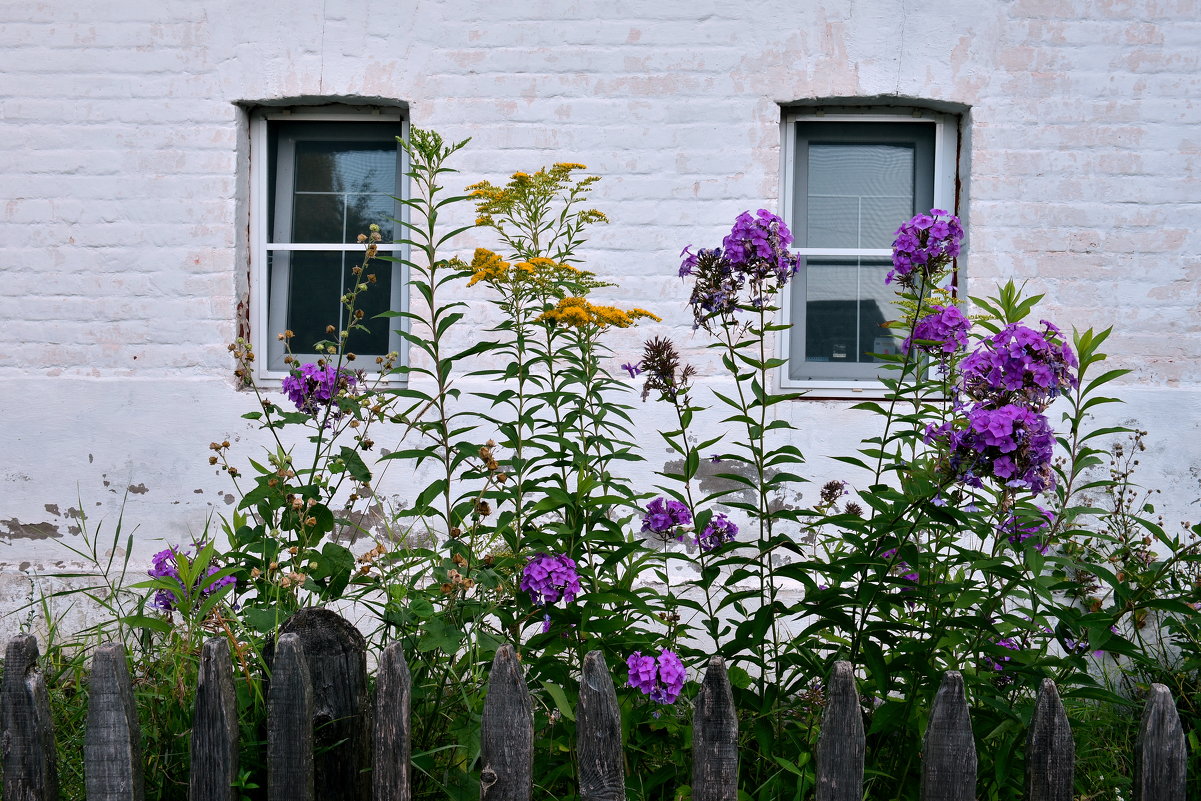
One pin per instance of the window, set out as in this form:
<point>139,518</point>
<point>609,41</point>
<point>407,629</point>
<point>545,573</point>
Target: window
<point>849,181</point>
<point>318,180</point>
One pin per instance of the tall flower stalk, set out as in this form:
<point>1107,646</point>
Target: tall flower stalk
<point>733,296</point>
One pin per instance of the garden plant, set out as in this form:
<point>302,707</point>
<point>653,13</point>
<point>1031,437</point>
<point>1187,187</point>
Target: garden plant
<point>986,524</point>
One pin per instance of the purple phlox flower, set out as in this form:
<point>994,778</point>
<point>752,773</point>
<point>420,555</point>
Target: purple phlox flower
<point>942,332</point>
<point>1020,365</point>
<point>758,247</point>
<point>924,245</point>
<point>550,577</point>
<point>1010,444</point>
<point>719,530</point>
<point>752,264</point>
<point>165,564</point>
<point>1074,646</point>
<point>314,388</point>
<point>633,368</point>
<point>997,663</point>
<point>688,265</point>
<point>546,623</point>
<point>662,678</point>
<point>663,515</point>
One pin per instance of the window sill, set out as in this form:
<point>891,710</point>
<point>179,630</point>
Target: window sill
<point>823,390</point>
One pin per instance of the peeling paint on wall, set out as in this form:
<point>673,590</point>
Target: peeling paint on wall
<point>16,530</point>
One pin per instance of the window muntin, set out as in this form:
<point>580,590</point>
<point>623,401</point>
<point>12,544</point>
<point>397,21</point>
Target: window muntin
<point>325,180</point>
<point>850,180</point>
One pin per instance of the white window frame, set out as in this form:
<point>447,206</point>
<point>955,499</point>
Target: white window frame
<point>946,152</point>
<point>261,244</point>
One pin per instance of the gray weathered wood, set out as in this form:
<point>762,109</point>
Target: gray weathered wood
<point>1050,752</point>
<point>840,746</point>
<point>715,738</point>
<point>112,749</point>
<point>214,726</point>
<point>507,732</point>
<point>26,731</point>
<point>391,778</point>
<point>337,658</point>
<point>289,724</point>
<point>598,734</point>
<point>949,759</point>
<point>1159,754</point>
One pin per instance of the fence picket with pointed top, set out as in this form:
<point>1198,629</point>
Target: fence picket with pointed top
<point>392,778</point>
<point>214,745</point>
<point>507,732</point>
<point>840,747</point>
<point>715,738</point>
<point>112,749</point>
<point>336,654</point>
<point>1050,750</point>
<point>26,729</point>
<point>598,734</point>
<point>113,764</point>
<point>949,758</point>
<point>289,724</point>
<point>1160,760</point>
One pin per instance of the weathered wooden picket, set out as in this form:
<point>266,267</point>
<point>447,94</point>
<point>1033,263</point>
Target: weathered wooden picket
<point>319,684</point>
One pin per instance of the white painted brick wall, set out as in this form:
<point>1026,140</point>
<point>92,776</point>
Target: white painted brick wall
<point>122,162</point>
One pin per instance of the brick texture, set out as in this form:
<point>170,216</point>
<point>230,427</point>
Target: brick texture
<point>122,157</point>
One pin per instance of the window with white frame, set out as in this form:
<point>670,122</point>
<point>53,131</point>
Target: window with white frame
<point>850,179</point>
<point>319,179</point>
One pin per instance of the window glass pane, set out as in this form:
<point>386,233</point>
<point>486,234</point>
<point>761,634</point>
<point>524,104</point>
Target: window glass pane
<point>314,285</point>
<point>858,193</point>
<point>362,210</point>
<point>846,306</point>
<point>327,190</point>
<point>373,301</point>
<point>346,166</point>
<point>318,218</point>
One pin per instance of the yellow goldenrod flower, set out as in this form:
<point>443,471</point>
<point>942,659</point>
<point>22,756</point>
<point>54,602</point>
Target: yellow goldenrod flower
<point>578,312</point>
<point>488,267</point>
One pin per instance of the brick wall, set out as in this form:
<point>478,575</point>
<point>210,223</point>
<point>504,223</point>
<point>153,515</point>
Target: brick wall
<point>123,161</point>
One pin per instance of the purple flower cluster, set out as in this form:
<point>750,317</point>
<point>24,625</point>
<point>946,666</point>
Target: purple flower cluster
<point>718,531</point>
<point>549,577</point>
<point>754,259</point>
<point>1010,444</point>
<point>924,246</point>
<point>1020,365</point>
<point>165,564</point>
<point>314,387</point>
<point>758,247</point>
<point>663,516</point>
<point>662,679</point>
<point>941,332</point>
<point>1005,385</point>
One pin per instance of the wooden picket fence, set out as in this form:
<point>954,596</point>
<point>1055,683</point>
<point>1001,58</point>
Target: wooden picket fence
<point>319,684</point>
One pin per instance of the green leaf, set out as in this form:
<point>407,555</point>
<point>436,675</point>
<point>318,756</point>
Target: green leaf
<point>564,706</point>
<point>355,464</point>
